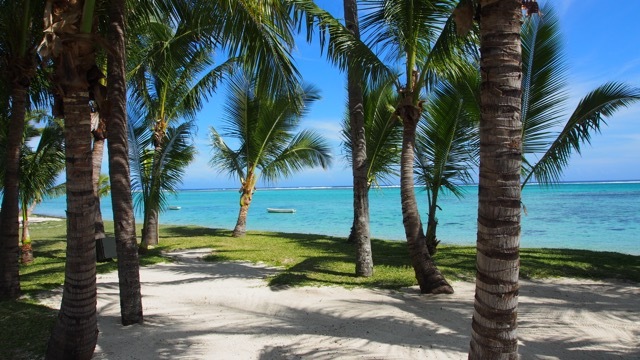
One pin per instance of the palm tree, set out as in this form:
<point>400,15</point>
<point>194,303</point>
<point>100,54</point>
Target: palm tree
<point>419,37</point>
<point>68,25</point>
<point>20,24</point>
<point>447,143</point>
<point>173,72</point>
<point>39,169</point>
<point>544,97</point>
<point>360,233</point>
<point>119,171</point>
<point>384,135</point>
<point>264,124</point>
<point>493,334</point>
<point>157,172</point>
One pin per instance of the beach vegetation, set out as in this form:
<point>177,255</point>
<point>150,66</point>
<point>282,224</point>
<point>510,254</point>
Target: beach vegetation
<point>39,171</point>
<point>545,89</point>
<point>447,143</point>
<point>23,88</point>
<point>269,148</point>
<point>172,72</point>
<point>360,234</point>
<point>420,39</point>
<point>382,143</point>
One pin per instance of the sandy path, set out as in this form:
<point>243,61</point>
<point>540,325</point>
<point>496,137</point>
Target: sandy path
<point>198,310</point>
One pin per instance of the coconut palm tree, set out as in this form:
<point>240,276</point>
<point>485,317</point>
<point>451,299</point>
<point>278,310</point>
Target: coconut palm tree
<point>360,233</point>
<point>447,143</point>
<point>384,135</point>
<point>39,169</point>
<point>418,37</point>
<point>157,172</point>
<point>172,74</point>
<point>264,124</point>
<point>493,334</point>
<point>20,26</point>
<point>67,42</point>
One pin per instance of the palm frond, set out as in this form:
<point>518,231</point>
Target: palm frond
<point>544,81</point>
<point>342,48</point>
<point>306,149</point>
<point>588,117</point>
<point>447,139</point>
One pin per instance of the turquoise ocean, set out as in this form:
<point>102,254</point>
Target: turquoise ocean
<point>592,216</point>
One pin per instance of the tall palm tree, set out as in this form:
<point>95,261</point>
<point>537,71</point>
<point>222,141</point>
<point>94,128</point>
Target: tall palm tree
<point>67,41</point>
<point>39,169</point>
<point>447,143</point>
<point>20,24</point>
<point>264,124</point>
<point>172,73</point>
<point>544,100</point>
<point>493,334</point>
<point>119,171</point>
<point>418,37</point>
<point>360,233</point>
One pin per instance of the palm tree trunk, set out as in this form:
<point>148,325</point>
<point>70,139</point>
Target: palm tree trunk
<point>122,203</point>
<point>432,224</point>
<point>150,229</point>
<point>429,278</point>
<point>241,225</point>
<point>97,155</point>
<point>75,332</point>
<point>26,251</point>
<point>9,227</point>
<point>494,323</point>
<point>360,233</point>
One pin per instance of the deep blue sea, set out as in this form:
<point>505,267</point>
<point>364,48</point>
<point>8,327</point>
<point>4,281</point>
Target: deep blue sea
<point>593,216</point>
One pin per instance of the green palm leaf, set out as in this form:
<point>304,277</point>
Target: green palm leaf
<point>383,134</point>
<point>544,100</point>
<point>587,118</point>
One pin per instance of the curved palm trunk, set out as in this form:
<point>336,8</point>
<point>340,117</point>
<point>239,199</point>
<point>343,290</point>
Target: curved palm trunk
<point>75,332</point>
<point>247,190</point>
<point>9,226</point>
<point>122,203</point>
<point>360,233</point>
<point>494,324</point>
<point>429,278</point>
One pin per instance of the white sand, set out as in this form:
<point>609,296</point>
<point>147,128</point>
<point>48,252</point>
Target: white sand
<point>199,310</point>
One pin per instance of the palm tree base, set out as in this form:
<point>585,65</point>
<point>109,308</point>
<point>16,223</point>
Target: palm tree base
<point>26,254</point>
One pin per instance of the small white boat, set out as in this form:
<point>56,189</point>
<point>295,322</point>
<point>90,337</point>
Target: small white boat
<point>283,211</point>
<point>174,208</point>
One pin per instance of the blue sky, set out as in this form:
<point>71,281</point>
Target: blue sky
<point>602,43</point>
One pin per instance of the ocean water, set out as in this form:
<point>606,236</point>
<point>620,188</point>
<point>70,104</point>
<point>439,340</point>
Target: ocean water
<point>593,216</point>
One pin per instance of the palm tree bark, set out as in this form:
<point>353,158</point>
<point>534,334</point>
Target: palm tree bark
<point>9,227</point>
<point>119,175</point>
<point>97,155</point>
<point>150,229</point>
<point>248,187</point>
<point>430,279</point>
<point>360,233</point>
<point>75,332</point>
<point>26,250</point>
<point>494,323</point>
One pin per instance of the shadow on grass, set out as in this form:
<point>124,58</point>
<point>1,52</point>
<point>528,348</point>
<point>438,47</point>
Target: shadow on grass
<point>30,326</point>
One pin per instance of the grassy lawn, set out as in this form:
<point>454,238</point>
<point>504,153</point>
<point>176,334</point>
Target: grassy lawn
<point>305,260</point>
